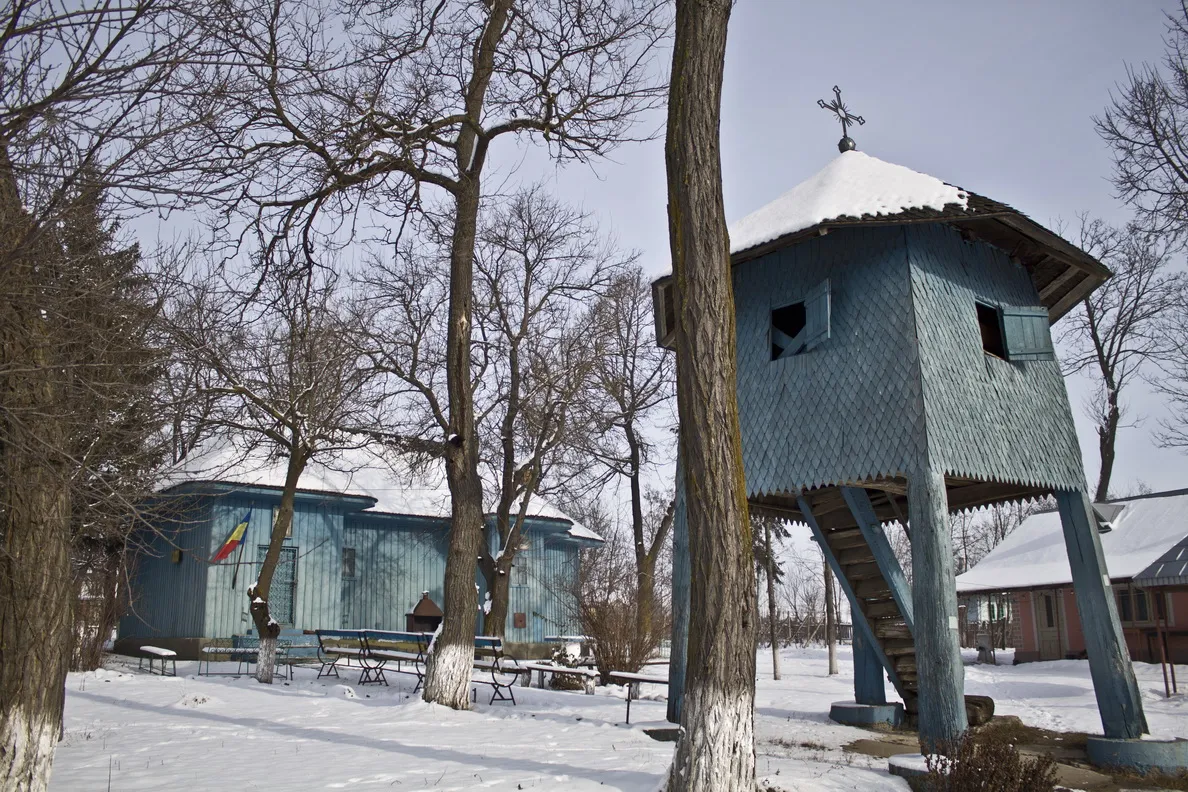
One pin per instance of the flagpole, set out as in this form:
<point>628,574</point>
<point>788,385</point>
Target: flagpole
<point>239,558</point>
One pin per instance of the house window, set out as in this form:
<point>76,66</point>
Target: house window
<point>1141,611</point>
<point>1125,611</point>
<point>800,326</point>
<point>1048,610</point>
<point>348,562</point>
<point>1015,333</point>
<point>1161,607</point>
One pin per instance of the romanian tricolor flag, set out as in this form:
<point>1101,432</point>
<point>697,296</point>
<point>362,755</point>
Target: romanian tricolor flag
<point>234,538</point>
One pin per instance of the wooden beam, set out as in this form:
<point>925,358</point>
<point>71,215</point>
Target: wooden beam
<point>859,504</point>
<point>942,718</point>
<point>682,573</point>
<point>1118,699</point>
<point>1057,283</point>
<point>1077,293</point>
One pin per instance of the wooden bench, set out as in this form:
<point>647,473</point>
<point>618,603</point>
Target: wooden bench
<point>633,681</point>
<point>340,645</point>
<point>244,650</point>
<point>588,676</point>
<point>157,654</point>
<point>406,650</point>
<point>503,670</point>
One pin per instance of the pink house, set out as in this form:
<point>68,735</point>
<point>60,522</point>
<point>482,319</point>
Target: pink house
<point>1145,542</point>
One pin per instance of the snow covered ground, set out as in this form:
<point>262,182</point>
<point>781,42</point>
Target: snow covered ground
<point>204,733</point>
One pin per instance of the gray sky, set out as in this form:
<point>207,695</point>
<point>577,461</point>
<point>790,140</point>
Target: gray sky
<point>994,97</point>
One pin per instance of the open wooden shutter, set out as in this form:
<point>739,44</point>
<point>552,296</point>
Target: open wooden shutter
<point>664,312</point>
<point>816,315</point>
<point>1026,335</point>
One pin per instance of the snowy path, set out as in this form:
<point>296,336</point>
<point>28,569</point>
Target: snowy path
<point>191,733</point>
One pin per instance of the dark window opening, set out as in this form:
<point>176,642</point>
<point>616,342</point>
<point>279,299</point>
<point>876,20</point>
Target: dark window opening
<point>1048,610</point>
<point>787,330</point>
<point>348,562</point>
<point>1125,613</point>
<point>1161,606</point>
<point>991,326</point>
<point>1141,612</point>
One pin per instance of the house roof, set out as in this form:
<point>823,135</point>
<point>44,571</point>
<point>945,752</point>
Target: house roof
<point>1170,569</point>
<point>1145,529</point>
<point>391,485</point>
<point>858,189</point>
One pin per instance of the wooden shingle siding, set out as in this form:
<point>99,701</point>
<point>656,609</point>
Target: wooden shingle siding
<point>790,410</point>
<point>988,418</point>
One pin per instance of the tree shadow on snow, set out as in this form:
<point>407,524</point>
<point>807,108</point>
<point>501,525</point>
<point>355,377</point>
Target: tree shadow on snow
<point>632,779</point>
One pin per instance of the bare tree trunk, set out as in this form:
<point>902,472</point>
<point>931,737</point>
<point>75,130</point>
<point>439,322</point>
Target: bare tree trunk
<point>771,602</point>
<point>447,680</point>
<point>35,577</point>
<point>258,595</point>
<point>715,750</point>
<point>830,620</point>
<point>645,567</point>
<point>1107,436</point>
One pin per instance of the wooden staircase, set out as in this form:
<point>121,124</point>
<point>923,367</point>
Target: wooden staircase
<point>872,593</point>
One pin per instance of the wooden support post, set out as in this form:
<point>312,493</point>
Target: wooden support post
<point>1162,645</point>
<point>860,624</point>
<point>934,606</point>
<point>868,671</point>
<point>860,506</point>
<point>1118,699</point>
<point>681,573</point>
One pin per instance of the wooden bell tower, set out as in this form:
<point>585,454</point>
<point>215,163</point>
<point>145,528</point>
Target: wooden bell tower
<point>895,363</point>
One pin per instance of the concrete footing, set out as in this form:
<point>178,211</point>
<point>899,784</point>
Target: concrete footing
<point>853,714</point>
<point>1166,756</point>
<point>908,766</point>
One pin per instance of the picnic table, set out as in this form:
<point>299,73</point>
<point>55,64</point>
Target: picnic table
<point>633,681</point>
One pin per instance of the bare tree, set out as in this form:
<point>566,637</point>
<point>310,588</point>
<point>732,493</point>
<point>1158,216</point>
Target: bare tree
<point>1116,332</point>
<point>538,265</point>
<point>1143,126</point>
<point>830,619</point>
<point>285,376</point>
<point>636,380</point>
<point>378,107</point>
<point>767,561</point>
<point>715,749</point>
<point>83,107</point>
<point>1172,382</point>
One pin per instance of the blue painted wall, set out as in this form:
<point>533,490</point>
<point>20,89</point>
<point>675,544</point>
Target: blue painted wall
<point>397,557</point>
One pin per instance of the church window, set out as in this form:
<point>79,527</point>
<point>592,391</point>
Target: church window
<point>800,326</point>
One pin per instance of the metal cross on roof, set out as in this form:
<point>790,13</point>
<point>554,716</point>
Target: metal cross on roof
<point>838,108</point>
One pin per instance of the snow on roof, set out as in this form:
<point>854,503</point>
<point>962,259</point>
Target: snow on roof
<point>1034,555</point>
<point>854,184</point>
<point>361,472</point>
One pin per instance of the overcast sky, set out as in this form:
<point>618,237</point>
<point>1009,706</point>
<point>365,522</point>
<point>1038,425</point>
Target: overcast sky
<point>994,97</point>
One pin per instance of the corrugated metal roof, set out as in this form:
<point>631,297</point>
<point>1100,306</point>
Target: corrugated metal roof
<point>1170,569</point>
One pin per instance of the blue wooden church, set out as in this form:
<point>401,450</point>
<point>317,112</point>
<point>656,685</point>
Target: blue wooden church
<point>895,363</point>
<point>366,550</point>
